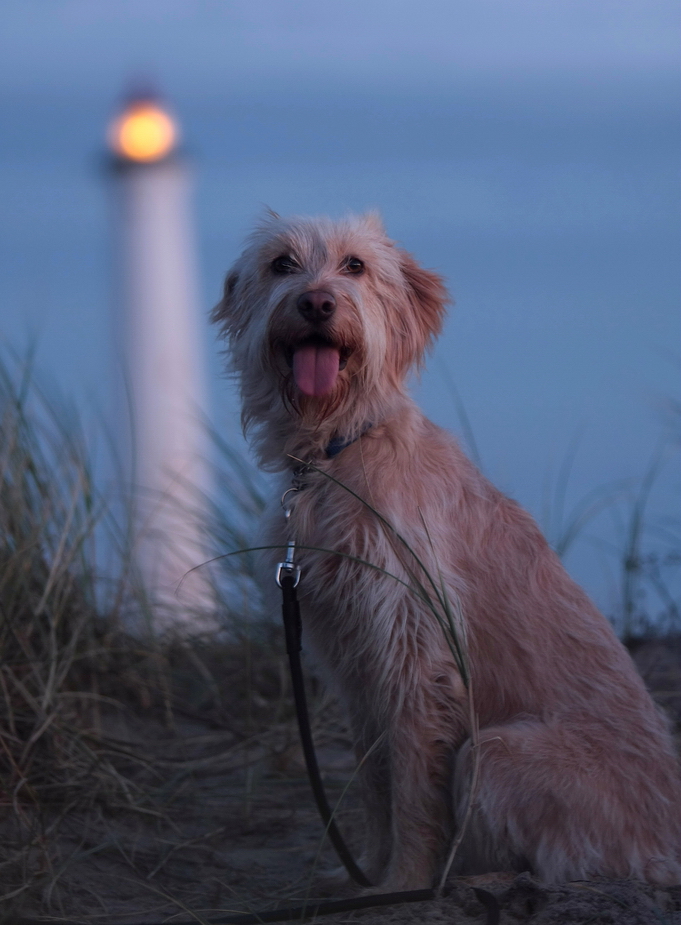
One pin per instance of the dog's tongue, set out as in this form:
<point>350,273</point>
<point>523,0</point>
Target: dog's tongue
<point>315,368</point>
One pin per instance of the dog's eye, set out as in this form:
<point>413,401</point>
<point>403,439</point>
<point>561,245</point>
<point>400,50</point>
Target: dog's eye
<point>285,264</point>
<point>353,265</point>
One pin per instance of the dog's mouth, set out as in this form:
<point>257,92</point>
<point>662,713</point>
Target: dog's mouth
<point>315,363</point>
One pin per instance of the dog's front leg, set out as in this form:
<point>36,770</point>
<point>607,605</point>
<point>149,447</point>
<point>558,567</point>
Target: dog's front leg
<point>373,773</point>
<point>406,810</point>
<point>421,815</point>
<point>407,731</point>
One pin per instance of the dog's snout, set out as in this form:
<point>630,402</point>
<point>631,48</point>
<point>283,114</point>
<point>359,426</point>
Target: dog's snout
<point>316,305</point>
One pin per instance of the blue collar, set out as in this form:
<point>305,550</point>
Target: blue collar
<point>337,444</point>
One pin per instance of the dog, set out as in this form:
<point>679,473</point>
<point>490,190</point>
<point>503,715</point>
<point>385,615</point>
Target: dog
<point>407,551</point>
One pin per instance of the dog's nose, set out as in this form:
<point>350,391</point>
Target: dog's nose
<point>316,305</point>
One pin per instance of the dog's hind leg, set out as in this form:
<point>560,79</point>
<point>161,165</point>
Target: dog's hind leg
<point>567,802</point>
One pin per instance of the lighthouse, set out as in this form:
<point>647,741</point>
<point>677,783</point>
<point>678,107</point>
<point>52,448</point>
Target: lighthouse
<point>158,325</point>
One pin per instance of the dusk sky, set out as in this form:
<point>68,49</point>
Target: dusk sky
<point>526,149</point>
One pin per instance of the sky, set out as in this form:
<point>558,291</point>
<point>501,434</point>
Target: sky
<point>527,150</point>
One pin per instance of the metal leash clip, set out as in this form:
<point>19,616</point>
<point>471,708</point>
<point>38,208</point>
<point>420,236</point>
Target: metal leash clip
<point>288,566</point>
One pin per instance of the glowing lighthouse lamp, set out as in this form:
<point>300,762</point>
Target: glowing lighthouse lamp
<point>161,359</point>
<point>143,132</point>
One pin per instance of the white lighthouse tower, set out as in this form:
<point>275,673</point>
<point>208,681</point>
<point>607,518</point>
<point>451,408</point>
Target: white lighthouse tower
<point>161,360</point>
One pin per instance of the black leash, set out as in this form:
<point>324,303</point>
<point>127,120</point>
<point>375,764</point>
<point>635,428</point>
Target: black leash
<point>293,631</point>
<point>310,910</point>
<point>287,577</point>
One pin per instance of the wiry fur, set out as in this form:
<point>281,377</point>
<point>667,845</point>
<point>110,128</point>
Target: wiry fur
<point>577,775</point>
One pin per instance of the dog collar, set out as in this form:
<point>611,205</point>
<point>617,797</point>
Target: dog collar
<point>336,445</point>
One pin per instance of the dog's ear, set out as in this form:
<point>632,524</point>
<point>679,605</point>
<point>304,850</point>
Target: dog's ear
<point>374,222</point>
<point>428,296</point>
<point>223,310</point>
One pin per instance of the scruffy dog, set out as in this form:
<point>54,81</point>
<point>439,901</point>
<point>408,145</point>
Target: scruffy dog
<point>576,773</point>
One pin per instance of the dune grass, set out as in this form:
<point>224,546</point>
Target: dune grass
<point>74,680</point>
<point>641,546</point>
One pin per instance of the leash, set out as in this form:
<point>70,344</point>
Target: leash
<point>288,577</point>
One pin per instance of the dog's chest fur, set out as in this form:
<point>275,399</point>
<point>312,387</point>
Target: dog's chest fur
<point>360,574</point>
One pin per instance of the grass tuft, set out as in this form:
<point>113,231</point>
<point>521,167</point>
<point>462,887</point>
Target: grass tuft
<point>99,725</point>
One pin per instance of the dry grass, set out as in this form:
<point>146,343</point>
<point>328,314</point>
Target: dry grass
<point>122,756</point>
